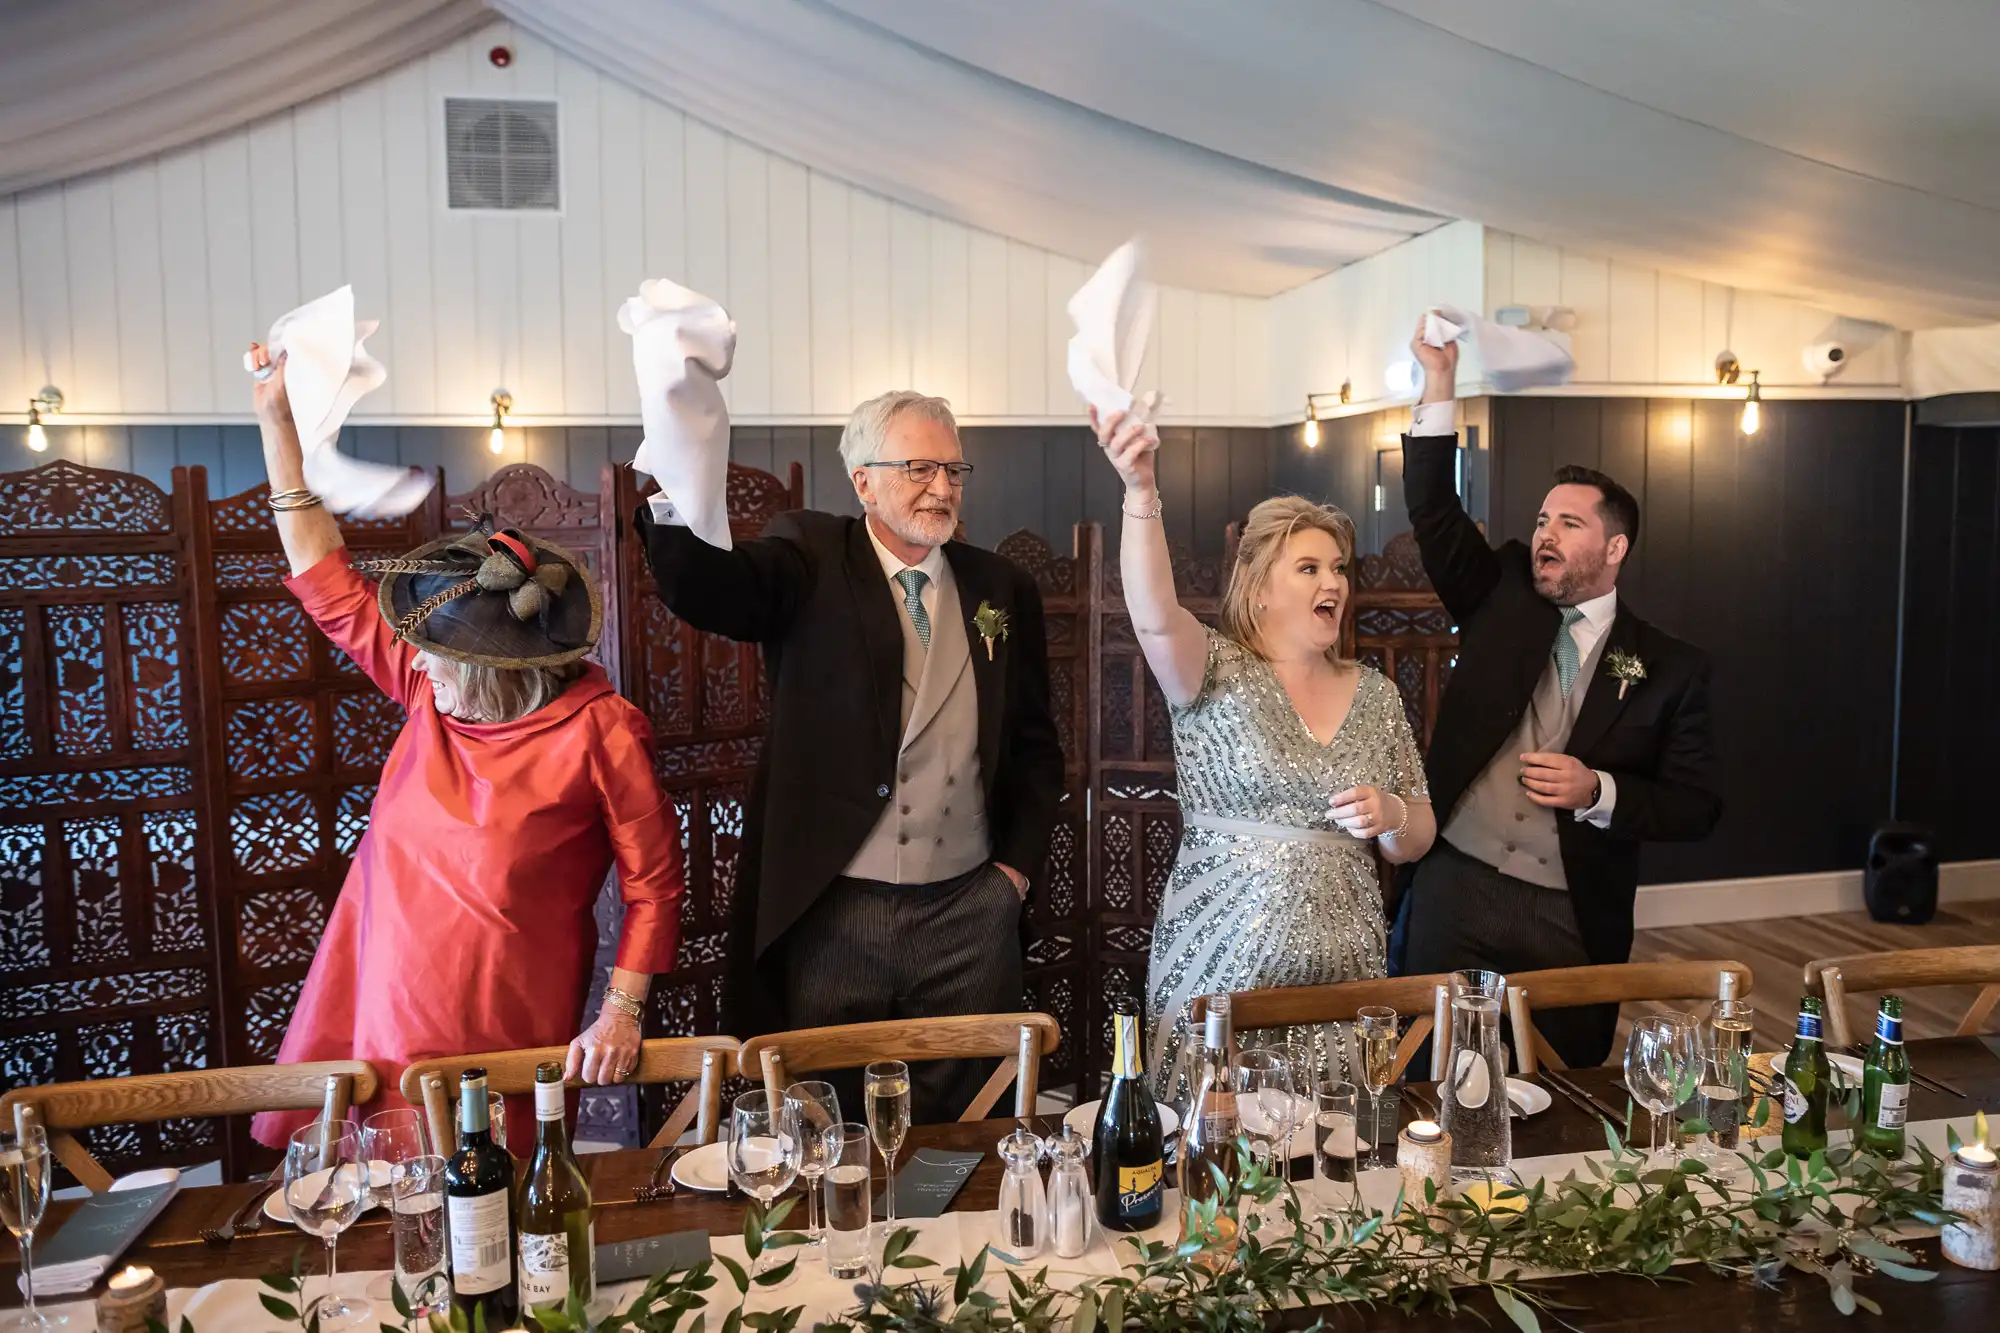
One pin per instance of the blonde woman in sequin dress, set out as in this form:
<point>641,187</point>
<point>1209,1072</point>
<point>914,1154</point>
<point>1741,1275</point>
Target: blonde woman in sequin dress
<point>1295,768</point>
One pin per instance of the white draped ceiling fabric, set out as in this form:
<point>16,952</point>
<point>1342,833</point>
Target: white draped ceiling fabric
<point>1846,152</point>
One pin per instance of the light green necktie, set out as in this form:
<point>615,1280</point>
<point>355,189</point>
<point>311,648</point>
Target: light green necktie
<point>913,581</point>
<point>1568,660</point>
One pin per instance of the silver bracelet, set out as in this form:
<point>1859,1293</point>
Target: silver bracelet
<point>1158,509</point>
<point>625,1002</point>
<point>1403,827</point>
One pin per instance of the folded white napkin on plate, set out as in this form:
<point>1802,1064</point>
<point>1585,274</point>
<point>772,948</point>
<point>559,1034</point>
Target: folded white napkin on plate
<point>682,347</point>
<point>1514,358</point>
<point>1113,315</point>
<point>327,370</point>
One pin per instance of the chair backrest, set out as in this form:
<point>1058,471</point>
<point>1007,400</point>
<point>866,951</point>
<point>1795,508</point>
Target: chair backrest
<point>705,1061</point>
<point>1907,969</point>
<point>64,1108</point>
<point>1607,983</point>
<point>1022,1039</point>
<point>1335,1002</point>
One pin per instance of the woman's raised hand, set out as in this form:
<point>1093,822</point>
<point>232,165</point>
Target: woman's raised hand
<point>1130,442</point>
<point>267,394</point>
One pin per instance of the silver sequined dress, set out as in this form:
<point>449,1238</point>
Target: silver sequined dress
<point>1267,890</point>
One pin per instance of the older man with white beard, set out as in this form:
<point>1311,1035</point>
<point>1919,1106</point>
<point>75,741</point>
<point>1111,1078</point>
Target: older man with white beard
<point>911,771</point>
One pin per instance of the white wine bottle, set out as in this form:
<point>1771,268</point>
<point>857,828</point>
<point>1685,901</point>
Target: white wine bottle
<point>558,1239</point>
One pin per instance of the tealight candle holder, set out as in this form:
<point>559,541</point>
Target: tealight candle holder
<point>1972,1190</point>
<point>132,1296</point>
<point>1423,1152</point>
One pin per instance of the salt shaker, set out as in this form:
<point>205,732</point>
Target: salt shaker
<point>1071,1203</point>
<point>1024,1205</point>
<point>1972,1190</point>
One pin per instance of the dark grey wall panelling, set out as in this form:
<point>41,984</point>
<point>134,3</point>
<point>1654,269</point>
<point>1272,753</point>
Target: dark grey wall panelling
<point>1777,555</point>
<point>1951,691</point>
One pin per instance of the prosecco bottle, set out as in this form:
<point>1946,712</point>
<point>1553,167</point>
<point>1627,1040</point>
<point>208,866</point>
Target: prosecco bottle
<point>557,1238</point>
<point>1208,1138</point>
<point>1885,1083</point>
<point>479,1204</point>
<point>1808,1080</point>
<point>1126,1143</point>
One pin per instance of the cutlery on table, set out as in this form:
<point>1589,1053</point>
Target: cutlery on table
<point>1618,1121</point>
<point>1920,1079</point>
<point>244,1219</point>
<point>652,1190</point>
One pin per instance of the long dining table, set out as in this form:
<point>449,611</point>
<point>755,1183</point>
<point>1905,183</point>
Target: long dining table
<point>1691,1299</point>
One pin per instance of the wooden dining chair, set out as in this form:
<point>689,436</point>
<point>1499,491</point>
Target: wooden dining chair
<point>1021,1039</point>
<point>1335,1002</point>
<point>704,1061</point>
<point>1907,969</point>
<point>1606,983</point>
<point>65,1108</point>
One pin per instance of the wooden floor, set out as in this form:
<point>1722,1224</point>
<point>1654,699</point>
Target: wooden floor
<point>1778,949</point>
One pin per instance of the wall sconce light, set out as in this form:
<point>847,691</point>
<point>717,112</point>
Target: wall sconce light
<point>50,401</point>
<point>1311,434</point>
<point>1346,392</point>
<point>1726,367</point>
<point>503,403</point>
<point>1753,412</point>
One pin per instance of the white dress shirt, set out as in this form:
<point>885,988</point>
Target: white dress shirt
<point>931,566</point>
<point>1598,612</point>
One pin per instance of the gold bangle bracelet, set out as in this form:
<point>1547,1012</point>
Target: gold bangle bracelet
<point>286,501</point>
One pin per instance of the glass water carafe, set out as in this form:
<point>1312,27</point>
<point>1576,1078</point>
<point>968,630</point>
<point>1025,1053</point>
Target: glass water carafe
<point>1473,1096</point>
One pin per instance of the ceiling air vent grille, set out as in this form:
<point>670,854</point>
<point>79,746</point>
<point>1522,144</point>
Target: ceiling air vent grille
<point>502,155</point>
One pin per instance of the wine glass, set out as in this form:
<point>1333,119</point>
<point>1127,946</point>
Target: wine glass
<point>817,1109</point>
<point>1306,1071</point>
<point>1375,1030</point>
<point>764,1159</point>
<point>1660,1072</point>
<point>326,1184</point>
<point>388,1139</point>
<point>886,1096</point>
<point>24,1195</point>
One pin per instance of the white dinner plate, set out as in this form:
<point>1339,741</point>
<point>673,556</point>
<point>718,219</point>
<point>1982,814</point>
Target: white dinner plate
<point>308,1188</point>
<point>1531,1098</point>
<point>705,1168</point>
<point>1847,1065</point>
<point>1083,1119</point>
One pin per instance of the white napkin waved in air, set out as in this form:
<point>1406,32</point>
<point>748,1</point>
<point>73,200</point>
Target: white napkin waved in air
<point>327,370</point>
<point>1515,359</point>
<point>682,346</point>
<point>1113,315</point>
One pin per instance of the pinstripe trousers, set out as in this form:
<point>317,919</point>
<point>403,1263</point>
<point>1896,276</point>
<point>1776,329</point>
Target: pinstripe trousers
<point>1466,914</point>
<point>867,951</point>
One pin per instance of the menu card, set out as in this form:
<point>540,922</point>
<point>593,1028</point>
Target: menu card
<point>623,1260</point>
<point>928,1183</point>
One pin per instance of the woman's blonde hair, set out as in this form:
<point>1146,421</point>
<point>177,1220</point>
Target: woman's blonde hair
<point>1262,545</point>
<point>506,694</point>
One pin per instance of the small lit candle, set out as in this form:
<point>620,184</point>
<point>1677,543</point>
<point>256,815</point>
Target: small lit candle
<point>131,1296</point>
<point>1972,1190</point>
<point>1423,1153</point>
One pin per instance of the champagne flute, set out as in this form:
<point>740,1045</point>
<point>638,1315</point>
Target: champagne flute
<point>1659,1060</point>
<point>24,1196</point>
<point>817,1108</point>
<point>326,1184</point>
<point>764,1159</point>
<point>1375,1030</point>
<point>886,1094</point>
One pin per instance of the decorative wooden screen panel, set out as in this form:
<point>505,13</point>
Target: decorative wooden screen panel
<point>1401,629</point>
<point>105,943</point>
<point>705,697</point>
<point>294,750</point>
<point>1059,944</point>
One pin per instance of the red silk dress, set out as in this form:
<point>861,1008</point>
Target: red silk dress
<point>466,922</point>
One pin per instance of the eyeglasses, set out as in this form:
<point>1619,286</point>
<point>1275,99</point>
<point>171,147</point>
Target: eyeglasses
<point>920,471</point>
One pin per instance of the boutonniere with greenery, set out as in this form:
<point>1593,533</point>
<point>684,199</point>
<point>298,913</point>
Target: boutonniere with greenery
<point>1625,668</point>
<point>992,623</point>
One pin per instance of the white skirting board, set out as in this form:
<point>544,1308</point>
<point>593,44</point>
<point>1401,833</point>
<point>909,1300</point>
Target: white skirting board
<point>1706,902</point>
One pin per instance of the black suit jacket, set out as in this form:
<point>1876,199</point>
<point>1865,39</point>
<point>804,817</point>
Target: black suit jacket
<point>1654,741</point>
<point>811,591</point>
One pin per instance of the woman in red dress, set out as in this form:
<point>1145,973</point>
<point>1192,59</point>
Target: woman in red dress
<point>519,778</point>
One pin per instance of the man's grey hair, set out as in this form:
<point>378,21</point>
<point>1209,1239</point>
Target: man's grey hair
<point>861,441</point>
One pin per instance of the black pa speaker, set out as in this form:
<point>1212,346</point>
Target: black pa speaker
<point>1901,882</point>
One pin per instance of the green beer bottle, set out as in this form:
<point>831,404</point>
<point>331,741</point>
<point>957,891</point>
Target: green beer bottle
<point>1808,1079</point>
<point>1885,1083</point>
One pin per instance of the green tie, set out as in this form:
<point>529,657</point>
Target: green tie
<point>1568,660</point>
<point>913,581</point>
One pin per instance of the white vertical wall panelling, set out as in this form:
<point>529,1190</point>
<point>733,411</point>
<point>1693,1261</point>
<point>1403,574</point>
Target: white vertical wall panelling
<point>750,295</point>
<point>1634,332</point>
<point>364,222</point>
<point>93,287</point>
<point>706,167</point>
<point>663,188</point>
<point>243,257</point>
<point>407,210</point>
<point>1586,285</point>
<point>1027,330</point>
<point>585,293</point>
<point>868,296</point>
<point>831,328</point>
<point>538,322</point>
<point>453,260</point>
<point>946,367</point>
<point>986,387</point>
<point>1215,364</point>
<point>15,382</point>
<point>139,279</point>
<point>1178,336</point>
<point>317,178</point>
<point>1684,354</point>
<point>191,343</point>
<point>788,241</point>
<point>909,293</point>
<point>1061,278</point>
